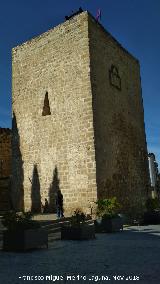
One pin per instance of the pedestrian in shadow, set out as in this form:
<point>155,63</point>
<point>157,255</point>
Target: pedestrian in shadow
<point>59,204</point>
<point>46,206</point>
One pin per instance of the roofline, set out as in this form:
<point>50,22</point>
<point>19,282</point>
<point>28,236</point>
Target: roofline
<point>112,37</point>
<point>70,19</point>
<point>46,32</point>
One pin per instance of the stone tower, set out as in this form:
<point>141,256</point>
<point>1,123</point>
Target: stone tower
<point>78,121</point>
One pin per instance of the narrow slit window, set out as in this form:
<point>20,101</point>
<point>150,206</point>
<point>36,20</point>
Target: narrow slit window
<point>46,106</point>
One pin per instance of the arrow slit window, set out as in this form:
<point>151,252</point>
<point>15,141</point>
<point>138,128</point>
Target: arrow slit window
<point>46,106</point>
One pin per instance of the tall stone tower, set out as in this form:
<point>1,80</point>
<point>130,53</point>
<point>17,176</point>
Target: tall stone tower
<point>78,121</point>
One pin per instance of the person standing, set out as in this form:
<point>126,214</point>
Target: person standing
<point>46,206</point>
<point>59,204</point>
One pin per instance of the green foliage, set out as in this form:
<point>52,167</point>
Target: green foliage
<point>107,207</point>
<point>78,218</point>
<point>19,221</point>
<point>152,204</point>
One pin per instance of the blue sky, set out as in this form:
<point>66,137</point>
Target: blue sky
<point>134,23</point>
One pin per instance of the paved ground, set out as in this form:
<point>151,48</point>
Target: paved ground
<point>133,252</point>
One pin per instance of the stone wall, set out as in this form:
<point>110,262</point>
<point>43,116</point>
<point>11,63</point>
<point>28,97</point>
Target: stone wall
<point>52,119</point>
<point>5,152</point>
<point>120,141</point>
<point>5,168</point>
<point>5,197</point>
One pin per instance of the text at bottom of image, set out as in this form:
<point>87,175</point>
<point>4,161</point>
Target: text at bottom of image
<point>94,278</point>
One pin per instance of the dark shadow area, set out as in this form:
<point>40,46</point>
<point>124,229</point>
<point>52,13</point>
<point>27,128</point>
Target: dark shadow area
<point>17,177</point>
<point>59,204</point>
<point>35,192</point>
<point>126,253</point>
<point>5,195</point>
<point>5,152</point>
<point>54,188</point>
<point>116,135</point>
<point>134,233</point>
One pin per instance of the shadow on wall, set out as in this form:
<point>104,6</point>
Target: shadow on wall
<point>17,178</point>
<point>54,188</point>
<point>35,192</point>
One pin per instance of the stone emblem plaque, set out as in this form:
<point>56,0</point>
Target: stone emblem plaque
<point>114,77</point>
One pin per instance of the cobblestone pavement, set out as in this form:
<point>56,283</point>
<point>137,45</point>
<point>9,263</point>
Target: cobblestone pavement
<point>133,252</point>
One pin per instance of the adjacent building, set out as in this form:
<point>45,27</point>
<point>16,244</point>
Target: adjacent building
<point>154,175</point>
<point>5,168</point>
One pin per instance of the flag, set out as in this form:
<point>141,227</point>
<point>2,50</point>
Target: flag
<point>98,16</point>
